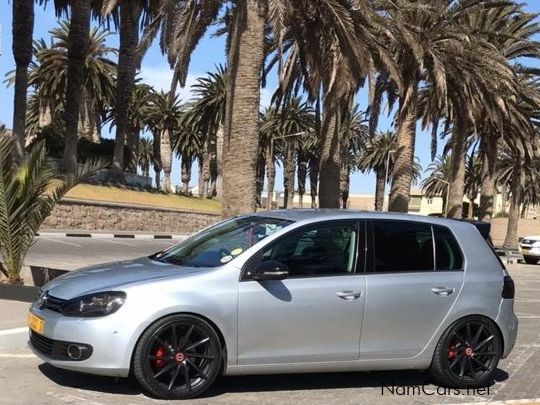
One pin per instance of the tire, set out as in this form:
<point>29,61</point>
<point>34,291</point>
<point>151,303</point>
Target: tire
<point>530,260</point>
<point>177,357</point>
<point>458,350</point>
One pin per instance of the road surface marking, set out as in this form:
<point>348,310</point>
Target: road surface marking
<point>14,331</point>
<point>62,242</point>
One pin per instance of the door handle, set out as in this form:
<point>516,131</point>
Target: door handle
<point>443,291</point>
<point>348,295</point>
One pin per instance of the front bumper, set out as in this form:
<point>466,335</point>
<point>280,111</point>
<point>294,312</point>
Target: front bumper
<point>107,337</point>
<point>530,251</point>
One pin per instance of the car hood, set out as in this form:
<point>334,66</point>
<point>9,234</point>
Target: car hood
<point>536,238</point>
<point>110,276</point>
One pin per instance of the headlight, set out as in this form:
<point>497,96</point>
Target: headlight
<point>97,304</point>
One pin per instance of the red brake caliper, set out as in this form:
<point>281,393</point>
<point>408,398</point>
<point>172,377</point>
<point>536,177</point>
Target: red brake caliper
<point>452,352</point>
<point>159,353</point>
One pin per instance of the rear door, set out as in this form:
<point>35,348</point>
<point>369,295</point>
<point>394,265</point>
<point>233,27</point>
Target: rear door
<point>413,276</point>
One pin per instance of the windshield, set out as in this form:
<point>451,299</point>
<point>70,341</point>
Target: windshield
<point>221,243</point>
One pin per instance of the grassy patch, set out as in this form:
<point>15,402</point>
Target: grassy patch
<point>148,198</point>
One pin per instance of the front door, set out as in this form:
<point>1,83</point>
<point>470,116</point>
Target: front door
<point>316,313</point>
<point>413,277</point>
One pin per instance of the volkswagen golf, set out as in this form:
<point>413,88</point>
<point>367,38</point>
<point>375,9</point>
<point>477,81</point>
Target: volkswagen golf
<point>287,291</point>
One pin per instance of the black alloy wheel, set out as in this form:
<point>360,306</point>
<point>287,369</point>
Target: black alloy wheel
<point>467,354</point>
<point>178,357</point>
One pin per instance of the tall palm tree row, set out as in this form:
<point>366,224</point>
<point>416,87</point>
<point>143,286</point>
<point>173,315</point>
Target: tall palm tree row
<point>431,61</point>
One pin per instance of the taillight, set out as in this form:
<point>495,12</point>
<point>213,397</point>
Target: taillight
<point>509,289</point>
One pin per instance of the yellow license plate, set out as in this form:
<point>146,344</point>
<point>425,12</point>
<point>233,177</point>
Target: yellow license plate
<point>35,323</point>
<point>525,250</point>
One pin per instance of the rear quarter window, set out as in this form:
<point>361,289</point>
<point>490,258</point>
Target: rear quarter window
<point>448,255</point>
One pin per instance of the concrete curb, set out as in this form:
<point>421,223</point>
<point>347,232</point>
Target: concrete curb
<point>143,236</point>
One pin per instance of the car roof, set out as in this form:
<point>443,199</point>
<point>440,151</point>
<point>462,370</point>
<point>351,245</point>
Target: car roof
<point>308,215</point>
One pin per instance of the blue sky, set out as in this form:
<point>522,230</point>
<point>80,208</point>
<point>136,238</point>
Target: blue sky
<point>155,71</point>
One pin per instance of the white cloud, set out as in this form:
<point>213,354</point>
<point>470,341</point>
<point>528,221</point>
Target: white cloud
<point>160,78</point>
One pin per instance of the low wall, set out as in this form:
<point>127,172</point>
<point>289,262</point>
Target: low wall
<point>526,227</point>
<point>90,215</point>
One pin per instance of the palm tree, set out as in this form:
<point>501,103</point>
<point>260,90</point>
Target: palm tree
<point>330,47</point>
<point>22,36</point>
<point>283,130</point>
<point>473,180</point>
<point>354,135</point>
<point>511,30</point>
<point>131,14</point>
<point>28,193</point>
<point>436,184</point>
<point>207,115</point>
<point>379,157</point>
<point>432,47</point>
<point>145,155</point>
<point>521,176</point>
<point>188,144</point>
<point>48,78</point>
<point>138,111</point>
<point>78,41</point>
<point>163,117</point>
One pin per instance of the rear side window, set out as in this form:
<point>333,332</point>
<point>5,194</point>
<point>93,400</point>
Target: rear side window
<point>402,246</point>
<point>448,255</point>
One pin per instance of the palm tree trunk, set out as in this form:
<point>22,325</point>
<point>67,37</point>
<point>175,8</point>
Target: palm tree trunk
<point>127,66</point>
<point>242,115</point>
<point>200,180</point>
<point>406,132</point>
<point>302,175</point>
<point>166,158</point>
<point>270,175</point>
<point>288,176</point>
<point>210,170</point>
<point>22,36</point>
<point>344,184</point>
<point>379,190</point>
<point>156,158</point>
<point>45,112</point>
<point>78,42</point>
<point>186,172</point>
<point>330,155</point>
<point>218,188</point>
<point>313,179</point>
<point>487,191</point>
<point>511,239</point>
<point>457,171</point>
<point>470,213</point>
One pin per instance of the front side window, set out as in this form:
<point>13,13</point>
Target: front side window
<point>221,243</point>
<point>319,250</point>
<point>402,246</point>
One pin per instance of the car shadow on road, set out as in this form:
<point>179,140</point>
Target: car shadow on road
<point>258,383</point>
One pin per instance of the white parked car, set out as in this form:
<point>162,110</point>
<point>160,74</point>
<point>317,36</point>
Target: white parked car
<point>530,248</point>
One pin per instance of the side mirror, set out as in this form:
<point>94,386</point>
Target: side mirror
<point>270,270</point>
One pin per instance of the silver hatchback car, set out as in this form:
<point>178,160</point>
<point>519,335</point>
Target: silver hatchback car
<point>290,291</point>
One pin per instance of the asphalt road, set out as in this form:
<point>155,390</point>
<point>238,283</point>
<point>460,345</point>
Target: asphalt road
<point>70,253</point>
<point>26,380</point>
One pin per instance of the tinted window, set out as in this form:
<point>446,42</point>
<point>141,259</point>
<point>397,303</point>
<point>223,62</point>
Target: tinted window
<point>316,250</point>
<point>448,254</point>
<point>402,246</point>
